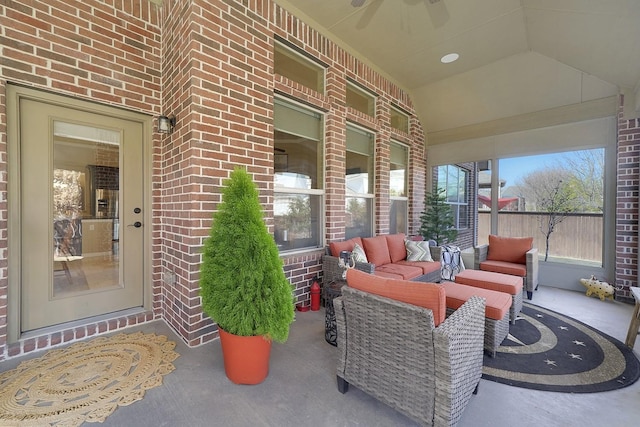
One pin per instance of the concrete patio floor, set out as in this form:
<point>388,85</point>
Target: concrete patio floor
<point>301,387</point>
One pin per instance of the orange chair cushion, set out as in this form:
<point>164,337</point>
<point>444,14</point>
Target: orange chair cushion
<point>497,303</point>
<point>377,250</point>
<point>509,284</point>
<point>504,268</point>
<point>397,248</point>
<point>427,295</point>
<point>509,249</point>
<point>336,247</point>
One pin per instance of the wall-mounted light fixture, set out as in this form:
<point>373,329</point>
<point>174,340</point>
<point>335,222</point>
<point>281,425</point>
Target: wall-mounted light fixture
<point>166,123</point>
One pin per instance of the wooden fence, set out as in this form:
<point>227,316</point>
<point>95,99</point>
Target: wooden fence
<point>578,236</point>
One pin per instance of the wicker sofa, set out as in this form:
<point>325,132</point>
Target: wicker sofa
<point>407,355</point>
<point>387,257</point>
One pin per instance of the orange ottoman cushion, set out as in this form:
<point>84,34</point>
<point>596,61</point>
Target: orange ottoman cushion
<point>494,281</point>
<point>504,268</point>
<point>497,303</point>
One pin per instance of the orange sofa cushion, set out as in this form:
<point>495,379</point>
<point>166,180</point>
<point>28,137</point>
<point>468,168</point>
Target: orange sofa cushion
<point>509,284</point>
<point>336,247</point>
<point>497,303</point>
<point>396,245</point>
<point>427,295</point>
<point>509,249</point>
<point>504,268</point>
<point>400,271</point>
<point>377,250</point>
<point>426,266</point>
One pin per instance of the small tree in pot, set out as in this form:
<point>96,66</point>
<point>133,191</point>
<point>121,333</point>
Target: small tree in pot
<point>242,281</point>
<point>437,221</point>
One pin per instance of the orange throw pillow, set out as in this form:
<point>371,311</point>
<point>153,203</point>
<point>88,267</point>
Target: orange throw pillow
<point>509,249</point>
<point>427,295</point>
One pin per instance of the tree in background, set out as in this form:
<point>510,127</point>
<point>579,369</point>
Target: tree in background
<point>437,221</point>
<point>554,192</point>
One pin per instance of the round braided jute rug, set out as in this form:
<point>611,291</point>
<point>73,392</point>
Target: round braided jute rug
<point>86,381</point>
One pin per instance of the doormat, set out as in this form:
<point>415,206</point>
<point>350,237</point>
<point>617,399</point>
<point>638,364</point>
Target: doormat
<point>548,351</point>
<point>84,382</point>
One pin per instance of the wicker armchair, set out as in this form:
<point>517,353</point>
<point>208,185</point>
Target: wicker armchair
<point>392,351</point>
<point>530,278</point>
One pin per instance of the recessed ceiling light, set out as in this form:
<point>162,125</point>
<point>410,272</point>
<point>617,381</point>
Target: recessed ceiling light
<point>450,57</point>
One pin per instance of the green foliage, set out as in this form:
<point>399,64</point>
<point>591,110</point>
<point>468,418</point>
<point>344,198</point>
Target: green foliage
<point>437,221</point>
<point>242,281</point>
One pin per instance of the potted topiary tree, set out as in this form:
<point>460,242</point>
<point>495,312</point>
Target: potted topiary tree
<point>242,282</point>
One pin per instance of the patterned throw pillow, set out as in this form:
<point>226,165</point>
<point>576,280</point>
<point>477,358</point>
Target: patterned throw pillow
<point>358,254</point>
<point>418,251</point>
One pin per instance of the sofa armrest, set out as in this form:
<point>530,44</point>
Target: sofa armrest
<point>532,270</point>
<point>480,254</point>
<point>331,270</point>
<point>459,349</point>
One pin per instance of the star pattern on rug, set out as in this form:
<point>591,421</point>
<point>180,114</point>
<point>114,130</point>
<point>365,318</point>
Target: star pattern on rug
<point>563,328</point>
<point>550,362</point>
<point>576,342</point>
<point>575,356</point>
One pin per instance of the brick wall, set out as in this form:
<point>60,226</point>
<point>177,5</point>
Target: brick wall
<point>627,187</point>
<point>210,64</point>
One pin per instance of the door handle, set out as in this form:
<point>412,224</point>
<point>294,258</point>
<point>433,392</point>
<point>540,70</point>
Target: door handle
<point>136,224</point>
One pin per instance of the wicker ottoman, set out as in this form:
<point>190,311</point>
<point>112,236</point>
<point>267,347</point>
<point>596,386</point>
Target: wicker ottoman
<point>506,283</point>
<point>496,325</point>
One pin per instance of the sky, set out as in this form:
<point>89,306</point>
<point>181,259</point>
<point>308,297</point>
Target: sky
<point>513,169</point>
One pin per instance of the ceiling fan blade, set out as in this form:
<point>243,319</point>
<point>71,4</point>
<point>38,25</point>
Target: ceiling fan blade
<point>357,3</point>
<point>368,14</point>
<point>438,12</point>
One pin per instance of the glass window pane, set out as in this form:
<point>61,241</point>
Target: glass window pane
<point>398,216</point>
<point>359,217</point>
<point>398,172</point>
<point>298,68</point>
<point>360,100</point>
<point>297,147</point>
<point>359,156</point>
<point>399,120</point>
<point>297,220</point>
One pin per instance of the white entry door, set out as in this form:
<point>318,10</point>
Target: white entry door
<point>81,213</point>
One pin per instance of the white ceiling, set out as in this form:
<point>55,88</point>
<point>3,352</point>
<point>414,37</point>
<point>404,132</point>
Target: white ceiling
<point>405,39</point>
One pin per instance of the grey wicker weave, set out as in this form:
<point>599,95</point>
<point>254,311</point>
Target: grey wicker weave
<point>392,351</point>
<point>481,252</point>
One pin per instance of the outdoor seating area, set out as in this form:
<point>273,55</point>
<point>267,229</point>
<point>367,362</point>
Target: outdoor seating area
<point>392,256</point>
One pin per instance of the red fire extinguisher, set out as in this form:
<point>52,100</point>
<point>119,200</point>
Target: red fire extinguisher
<point>315,295</point>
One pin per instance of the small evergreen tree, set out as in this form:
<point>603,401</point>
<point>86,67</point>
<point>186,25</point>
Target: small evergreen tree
<point>242,281</point>
<point>437,221</point>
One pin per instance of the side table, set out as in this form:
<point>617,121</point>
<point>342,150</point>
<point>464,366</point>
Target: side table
<point>331,291</point>
<point>635,319</point>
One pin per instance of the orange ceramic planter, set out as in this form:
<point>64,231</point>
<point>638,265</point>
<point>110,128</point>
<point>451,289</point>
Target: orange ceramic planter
<point>246,359</point>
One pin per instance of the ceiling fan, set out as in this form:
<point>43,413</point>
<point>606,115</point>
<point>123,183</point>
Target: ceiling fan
<point>437,11</point>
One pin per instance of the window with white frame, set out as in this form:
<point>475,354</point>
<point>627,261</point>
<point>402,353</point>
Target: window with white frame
<point>297,67</point>
<point>399,120</point>
<point>453,180</point>
<point>359,183</point>
<point>360,100</point>
<point>398,188</point>
<point>299,177</point>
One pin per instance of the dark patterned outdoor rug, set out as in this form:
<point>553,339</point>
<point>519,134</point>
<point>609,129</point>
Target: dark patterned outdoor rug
<point>546,350</point>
